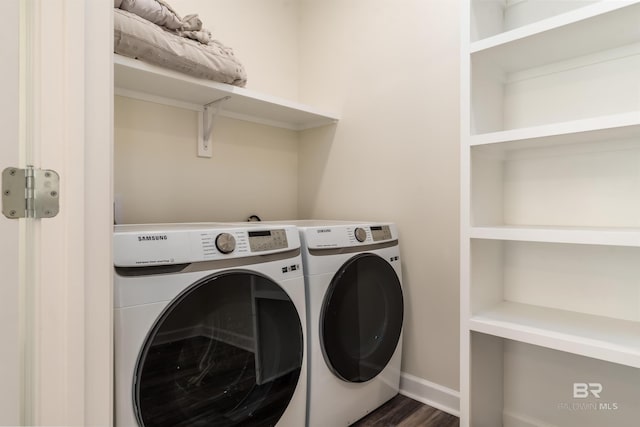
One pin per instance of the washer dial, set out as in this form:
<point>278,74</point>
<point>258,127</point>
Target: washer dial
<point>225,243</point>
<point>361,234</point>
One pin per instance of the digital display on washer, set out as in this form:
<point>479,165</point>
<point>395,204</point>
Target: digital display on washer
<point>260,233</point>
<point>381,232</point>
<point>267,240</point>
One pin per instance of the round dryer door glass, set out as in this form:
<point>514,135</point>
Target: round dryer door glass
<point>227,352</point>
<point>361,318</point>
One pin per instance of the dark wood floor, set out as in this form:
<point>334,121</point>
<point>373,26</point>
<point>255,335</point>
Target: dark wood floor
<point>402,411</point>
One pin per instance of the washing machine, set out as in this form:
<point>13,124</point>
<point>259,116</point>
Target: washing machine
<point>210,326</point>
<point>355,314</point>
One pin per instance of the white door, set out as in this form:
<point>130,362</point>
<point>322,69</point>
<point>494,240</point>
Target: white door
<point>10,351</point>
<point>55,274</point>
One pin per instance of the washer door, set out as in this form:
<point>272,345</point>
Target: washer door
<point>361,318</point>
<point>226,352</point>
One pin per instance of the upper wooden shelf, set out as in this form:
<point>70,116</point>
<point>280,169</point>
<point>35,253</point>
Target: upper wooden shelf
<point>140,80</point>
<point>587,30</point>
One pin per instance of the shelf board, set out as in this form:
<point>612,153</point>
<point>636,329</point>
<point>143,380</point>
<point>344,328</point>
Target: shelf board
<point>137,79</point>
<point>598,337</point>
<point>563,36</point>
<point>570,235</point>
<point>612,127</point>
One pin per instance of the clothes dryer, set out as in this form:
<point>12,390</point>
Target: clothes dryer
<point>355,314</point>
<point>209,326</point>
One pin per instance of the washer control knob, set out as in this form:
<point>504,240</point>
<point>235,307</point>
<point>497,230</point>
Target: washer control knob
<point>361,234</point>
<point>225,243</point>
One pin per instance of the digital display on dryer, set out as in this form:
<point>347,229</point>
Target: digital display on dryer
<point>262,233</point>
<point>381,232</point>
<point>267,240</point>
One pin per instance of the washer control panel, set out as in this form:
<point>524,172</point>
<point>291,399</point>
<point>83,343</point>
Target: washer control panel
<point>267,240</point>
<point>225,243</point>
<point>380,233</point>
<point>164,244</point>
<point>360,234</point>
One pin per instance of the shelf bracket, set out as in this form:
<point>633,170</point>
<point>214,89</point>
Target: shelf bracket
<point>205,125</point>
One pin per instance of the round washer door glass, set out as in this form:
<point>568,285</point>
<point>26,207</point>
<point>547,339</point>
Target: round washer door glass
<point>227,352</point>
<point>361,318</point>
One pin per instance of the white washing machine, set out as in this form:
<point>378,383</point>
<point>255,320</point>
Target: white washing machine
<point>355,315</point>
<point>209,326</point>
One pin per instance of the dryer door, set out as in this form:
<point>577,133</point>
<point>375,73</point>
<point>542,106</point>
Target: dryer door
<point>226,352</point>
<point>361,318</point>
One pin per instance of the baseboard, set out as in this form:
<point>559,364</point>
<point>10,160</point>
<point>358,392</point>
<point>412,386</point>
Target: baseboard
<point>431,394</point>
<point>511,419</point>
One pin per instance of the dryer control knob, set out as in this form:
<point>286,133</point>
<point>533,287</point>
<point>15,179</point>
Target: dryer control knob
<point>225,243</point>
<point>361,234</point>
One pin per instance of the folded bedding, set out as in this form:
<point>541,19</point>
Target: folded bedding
<point>157,11</point>
<point>192,28</point>
<point>140,38</point>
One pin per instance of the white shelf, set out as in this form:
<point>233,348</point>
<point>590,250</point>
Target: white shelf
<point>603,338</point>
<point>612,127</point>
<point>140,80</point>
<point>591,29</point>
<point>550,132</point>
<point>570,235</point>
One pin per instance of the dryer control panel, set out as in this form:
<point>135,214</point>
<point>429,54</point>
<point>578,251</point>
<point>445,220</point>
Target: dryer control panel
<point>343,236</point>
<point>267,240</point>
<point>165,244</point>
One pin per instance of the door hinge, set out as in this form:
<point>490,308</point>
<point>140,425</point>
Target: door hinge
<point>30,193</point>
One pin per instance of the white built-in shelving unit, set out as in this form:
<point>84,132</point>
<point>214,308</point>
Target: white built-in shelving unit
<point>550,213</point>
<point>148,82</point>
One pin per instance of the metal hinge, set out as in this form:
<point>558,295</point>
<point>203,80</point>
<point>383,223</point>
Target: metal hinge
<point>30,193</point>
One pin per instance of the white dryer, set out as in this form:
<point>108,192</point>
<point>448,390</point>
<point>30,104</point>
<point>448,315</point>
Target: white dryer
<point>355,314</point>
<point>209,326</point>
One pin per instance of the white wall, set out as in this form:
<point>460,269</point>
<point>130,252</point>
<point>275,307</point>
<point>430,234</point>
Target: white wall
<point>159,178</point>
<point>391,69</point>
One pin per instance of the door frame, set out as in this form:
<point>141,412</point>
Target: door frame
<point>69,78</point>
<point>10,288</point>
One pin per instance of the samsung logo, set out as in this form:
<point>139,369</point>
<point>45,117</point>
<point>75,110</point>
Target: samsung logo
<point>151,237</point>
<point>324,230</point>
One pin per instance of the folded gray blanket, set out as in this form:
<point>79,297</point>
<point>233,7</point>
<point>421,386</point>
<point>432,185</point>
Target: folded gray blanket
<point>139,38</point>
<point>157,11</point>
<point>192,28</point>
<point>162,14</point>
